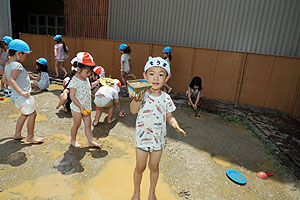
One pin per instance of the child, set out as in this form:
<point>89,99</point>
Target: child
<point>64,96</point>
<point>154,110</point>
<point>99,72</point>
<point>106,97</point>
<point>61,54</point>
<point>3,59</point>
<point>194,90</point>
<point>168,57</point>
<point>125,60</point>
<point>42,76</point>
<point>80,93</point>
<point>19,82</point>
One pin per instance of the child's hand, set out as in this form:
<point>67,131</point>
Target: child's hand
<point>194,106</point>
<point>138,98</point>
<point>25,94</point>
<point>180,130</point>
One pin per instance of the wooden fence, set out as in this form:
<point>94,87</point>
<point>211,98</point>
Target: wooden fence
<point>255,79</point>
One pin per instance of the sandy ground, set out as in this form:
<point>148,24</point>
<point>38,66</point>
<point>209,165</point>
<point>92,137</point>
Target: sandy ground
<point>192,167</point>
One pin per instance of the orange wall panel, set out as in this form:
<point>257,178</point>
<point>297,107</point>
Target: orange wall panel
<point>227,75</point>
<point>283,84</point>
<point>257,75</point>
<point>205,66</point>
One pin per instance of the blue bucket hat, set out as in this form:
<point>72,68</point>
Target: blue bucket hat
<point>57,37</point>
<point>7,39</point>
<point>123,46</point>
<point>167,50</point>
<point>42,61</point>
<point>19,45</point>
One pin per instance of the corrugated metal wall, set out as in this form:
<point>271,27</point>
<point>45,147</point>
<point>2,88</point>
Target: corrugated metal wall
<point>258,26</point>
<point>5,19</point>
<point>86,18</point>
<point>255,79</point>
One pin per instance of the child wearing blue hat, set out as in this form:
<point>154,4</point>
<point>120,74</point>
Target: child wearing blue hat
<point>61,54</point>
<point>42,81</point>
<point>125,60</point>
<point>154,110</point>
<point>19,83</point>
<point>167,53</point>
<point>3,60</point>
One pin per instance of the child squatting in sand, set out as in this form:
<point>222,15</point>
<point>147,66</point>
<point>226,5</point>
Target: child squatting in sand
<point>154,110</point>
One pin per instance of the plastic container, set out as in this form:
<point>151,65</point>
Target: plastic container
<point>138,87</point>
<point>25,105</point>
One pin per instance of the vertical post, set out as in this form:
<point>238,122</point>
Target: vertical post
<point>241,81</point>
<point>193,64</point>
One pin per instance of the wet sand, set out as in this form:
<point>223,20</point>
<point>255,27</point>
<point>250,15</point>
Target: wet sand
<point>192,167</point>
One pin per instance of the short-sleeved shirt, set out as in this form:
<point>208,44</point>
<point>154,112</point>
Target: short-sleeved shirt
<point>151,128</point>
<point>4,58</point>
<point>125,58</point>
<point>82,93</point>
<point>22,79</point>
<point>109,92</point>
<point>60,52</point>
<point>44,82</point>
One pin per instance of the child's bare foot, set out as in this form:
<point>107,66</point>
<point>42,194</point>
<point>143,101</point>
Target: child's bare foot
<point>152,196</point>
<point>18,137</point>
<point>95,144</point>
<point>136,196</point>
<point>95,123</point>
<point>35,140</point>
<point>112,120</point>
<point>74,143</point>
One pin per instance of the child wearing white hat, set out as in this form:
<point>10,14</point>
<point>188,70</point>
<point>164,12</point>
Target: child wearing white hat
<point>80,94</point>
<point>105,98</point>
<point>154,110</point>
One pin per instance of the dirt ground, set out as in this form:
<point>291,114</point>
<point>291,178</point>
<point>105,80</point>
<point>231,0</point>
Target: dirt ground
<point>192,167</point>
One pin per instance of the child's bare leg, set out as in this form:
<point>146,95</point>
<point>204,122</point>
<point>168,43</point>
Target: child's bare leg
<point>30,130</point>
<point>36,87</point>
<point>131,75</point>
<point>76,124</point>
<point>88,132</point>
<point>63,68</point>
<point>56,68</point>
<point>19,125</point>
<point>123,75</point>
<point>154,172</point>
<point>63,98</point>
<point>168,87</point>
<point>110,113</point>
<point>141,162</point>
<point>99,111</point>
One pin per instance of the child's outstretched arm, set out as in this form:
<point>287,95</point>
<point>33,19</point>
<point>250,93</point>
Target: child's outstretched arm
<point>135,104</point>
<point>172,121</point>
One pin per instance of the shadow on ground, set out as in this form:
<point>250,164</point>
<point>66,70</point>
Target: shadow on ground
<point>70,163</point>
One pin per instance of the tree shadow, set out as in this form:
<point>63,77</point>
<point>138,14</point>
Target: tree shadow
<point>9,152</point>
<point>103,128</point>
<point>70,163</point>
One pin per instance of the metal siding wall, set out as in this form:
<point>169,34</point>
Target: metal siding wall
<point>257,26</point>
<point>86,19</point>
<point>5,19</point>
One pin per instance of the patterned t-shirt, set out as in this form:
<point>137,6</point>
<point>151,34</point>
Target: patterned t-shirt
<point>82,93</point>
<point>151,129</point>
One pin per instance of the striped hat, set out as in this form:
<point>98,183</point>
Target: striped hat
<point>100,71</point>
<point>83,58</point>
